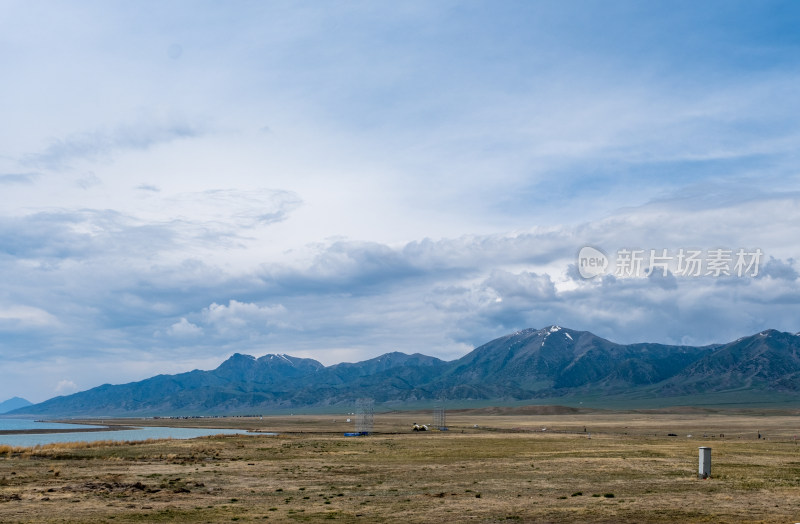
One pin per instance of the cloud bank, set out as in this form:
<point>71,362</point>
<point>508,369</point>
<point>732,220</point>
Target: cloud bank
<point>338,182</point>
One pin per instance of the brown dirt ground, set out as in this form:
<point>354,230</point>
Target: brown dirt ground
<point>528,465</point>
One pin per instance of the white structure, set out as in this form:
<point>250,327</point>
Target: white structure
<point>705,463</point>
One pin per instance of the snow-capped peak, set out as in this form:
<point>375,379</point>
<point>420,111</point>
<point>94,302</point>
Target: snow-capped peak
<point>281,356</point>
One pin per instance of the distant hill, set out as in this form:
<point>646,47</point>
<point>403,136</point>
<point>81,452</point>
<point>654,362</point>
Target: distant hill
<point>768,361</point>
<point>553,361</point>
<point>531,364</point>
<point>12,404</point>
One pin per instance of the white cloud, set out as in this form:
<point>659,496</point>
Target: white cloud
<point>25,317</point>
<point>184,329</point>
<point>102,144</point>
<point>524,285</point>
<point>236,209</point>
<point>65,387</point>
<point>18,178</point>
<point>241,317</point>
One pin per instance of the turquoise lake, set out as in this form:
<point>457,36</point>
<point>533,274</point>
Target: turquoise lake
<point>142,433</point>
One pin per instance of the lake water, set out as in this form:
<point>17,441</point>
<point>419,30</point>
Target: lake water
<point>142,433</point>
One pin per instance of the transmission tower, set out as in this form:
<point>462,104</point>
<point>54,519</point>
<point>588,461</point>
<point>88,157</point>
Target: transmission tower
<point>365,414</point>
<point>439,417</point>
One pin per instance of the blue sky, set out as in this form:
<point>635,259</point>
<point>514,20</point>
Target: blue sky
<point>185,180</point>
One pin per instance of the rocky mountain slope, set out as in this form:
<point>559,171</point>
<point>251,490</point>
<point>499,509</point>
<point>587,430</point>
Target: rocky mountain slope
<point>526,365</point>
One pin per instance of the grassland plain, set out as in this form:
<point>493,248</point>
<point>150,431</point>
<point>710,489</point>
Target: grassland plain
<point>492,465</point>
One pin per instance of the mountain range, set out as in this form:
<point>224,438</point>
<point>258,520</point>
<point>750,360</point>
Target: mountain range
<point>548,363</point>
<point>12,404</point>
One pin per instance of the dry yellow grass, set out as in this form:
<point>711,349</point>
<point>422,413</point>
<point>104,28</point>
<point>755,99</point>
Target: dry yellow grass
<point>505,469</point>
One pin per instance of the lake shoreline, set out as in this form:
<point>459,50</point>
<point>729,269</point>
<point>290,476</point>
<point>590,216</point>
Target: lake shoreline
<point>48,431</point>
